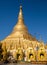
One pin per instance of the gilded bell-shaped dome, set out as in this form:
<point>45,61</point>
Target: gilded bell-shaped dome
<point>20,30</point>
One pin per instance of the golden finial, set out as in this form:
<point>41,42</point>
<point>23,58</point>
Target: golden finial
<point>20,7</point>
<point>20,14</point>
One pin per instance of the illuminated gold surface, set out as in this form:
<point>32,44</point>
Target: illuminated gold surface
<point>20,38</point>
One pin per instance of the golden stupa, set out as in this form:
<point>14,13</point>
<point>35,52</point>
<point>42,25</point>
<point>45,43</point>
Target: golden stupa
<point>20,42</point>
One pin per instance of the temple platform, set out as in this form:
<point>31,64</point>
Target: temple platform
<point>25,63</point>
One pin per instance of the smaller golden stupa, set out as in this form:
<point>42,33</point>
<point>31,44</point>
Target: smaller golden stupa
<point>23,46</point>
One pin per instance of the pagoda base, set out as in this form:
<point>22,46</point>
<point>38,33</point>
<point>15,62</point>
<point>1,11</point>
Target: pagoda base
<point>26,63</point>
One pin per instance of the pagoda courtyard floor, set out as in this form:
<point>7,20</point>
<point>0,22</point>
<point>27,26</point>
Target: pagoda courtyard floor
<point>25,63</point>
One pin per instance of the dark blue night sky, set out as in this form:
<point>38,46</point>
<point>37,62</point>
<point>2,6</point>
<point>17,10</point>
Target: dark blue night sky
<point>35,17</point>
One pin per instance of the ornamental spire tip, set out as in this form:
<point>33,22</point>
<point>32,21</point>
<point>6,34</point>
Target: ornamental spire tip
<point>20,7</point>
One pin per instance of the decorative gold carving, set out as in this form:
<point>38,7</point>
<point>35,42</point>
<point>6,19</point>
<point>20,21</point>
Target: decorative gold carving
<point>41,54</point>
<point>19,54</point>
<point>30,54</point>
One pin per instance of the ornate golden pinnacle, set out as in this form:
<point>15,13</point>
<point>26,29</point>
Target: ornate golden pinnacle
<point>20,7</point>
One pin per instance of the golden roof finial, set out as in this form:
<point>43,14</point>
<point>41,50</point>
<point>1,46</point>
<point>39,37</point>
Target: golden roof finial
<point>20,7</point>
<point>20,16</point>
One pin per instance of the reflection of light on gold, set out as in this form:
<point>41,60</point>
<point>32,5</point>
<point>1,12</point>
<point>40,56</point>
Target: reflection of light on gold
<point>21,40</point>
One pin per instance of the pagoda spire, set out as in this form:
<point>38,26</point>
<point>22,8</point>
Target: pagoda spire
<point>20,16</point>
<point>20,26</point>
